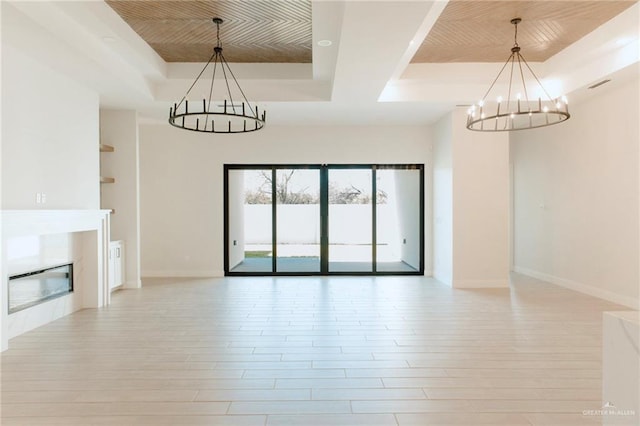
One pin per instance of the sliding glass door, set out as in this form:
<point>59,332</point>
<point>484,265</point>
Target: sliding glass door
<point>398,220</point>
<point>297,220</point>
<point>350,219</point>
<point>324,219</point>
<point>249,201</point>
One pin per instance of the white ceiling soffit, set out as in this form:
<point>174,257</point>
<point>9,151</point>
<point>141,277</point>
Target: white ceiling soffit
<point>88,42</point>
<point>367,62</point>
<point>375,36</point>
<point>610,48</point>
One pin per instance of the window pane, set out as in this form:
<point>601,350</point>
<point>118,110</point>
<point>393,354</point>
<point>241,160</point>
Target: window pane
<point>398,220</point>
<point>298,220</point>
<point>350,214</point>
<point>250,233</point>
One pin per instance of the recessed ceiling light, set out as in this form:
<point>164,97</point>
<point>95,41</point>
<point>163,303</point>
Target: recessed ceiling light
<point>325,43</point>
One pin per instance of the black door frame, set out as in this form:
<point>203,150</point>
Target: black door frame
<point>324,216</point>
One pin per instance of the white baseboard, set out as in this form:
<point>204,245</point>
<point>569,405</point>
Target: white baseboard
<point>480,283</point>
<point>587,289</point>
<point>182,274</point>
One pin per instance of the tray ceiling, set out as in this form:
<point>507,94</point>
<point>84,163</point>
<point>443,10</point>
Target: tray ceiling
<point>253,31</point>
<point>279,31</point>
<point>480,31</point>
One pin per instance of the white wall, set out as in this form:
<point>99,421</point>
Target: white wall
<point>443,200</point>
<point>49,136</point>
<point>576,197</point>
<point>481,206</point>
<point>471,204</point>
<point>119,128</point>
<point>181,176</point>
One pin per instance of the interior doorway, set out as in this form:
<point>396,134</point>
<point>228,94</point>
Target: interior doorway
<point>324,219</point>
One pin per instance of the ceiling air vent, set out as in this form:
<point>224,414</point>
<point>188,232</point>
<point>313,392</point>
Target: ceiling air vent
<point>598,84</point>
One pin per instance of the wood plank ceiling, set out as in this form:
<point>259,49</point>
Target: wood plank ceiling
<point>280,31</point>
<point>480,31</point>
<point>253,31</point>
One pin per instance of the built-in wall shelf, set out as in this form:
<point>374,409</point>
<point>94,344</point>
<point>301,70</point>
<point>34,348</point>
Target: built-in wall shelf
<point>104,179</point>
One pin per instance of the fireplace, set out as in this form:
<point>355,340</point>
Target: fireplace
<point>35,287</point>
<point>82,281</point>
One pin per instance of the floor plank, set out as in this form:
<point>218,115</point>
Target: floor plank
<point>313,351</point>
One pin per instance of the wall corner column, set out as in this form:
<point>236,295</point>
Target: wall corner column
<point>470,205</point>
<point>480,206</point>
<point>119,129</point>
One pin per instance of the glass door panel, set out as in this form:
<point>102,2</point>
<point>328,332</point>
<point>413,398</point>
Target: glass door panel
<point>250,225</point>
<point>398,235</point>
<point>350,220</point>
<point>298,220</point>
<point>320,219</point>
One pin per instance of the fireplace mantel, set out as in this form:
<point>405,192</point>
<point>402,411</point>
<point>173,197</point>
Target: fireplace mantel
<point>93,226</point>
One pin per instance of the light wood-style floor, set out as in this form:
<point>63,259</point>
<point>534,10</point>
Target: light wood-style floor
<point>313,351</point>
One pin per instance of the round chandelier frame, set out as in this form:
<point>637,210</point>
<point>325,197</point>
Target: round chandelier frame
<point>212,116</point>
<point>523,112</point>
